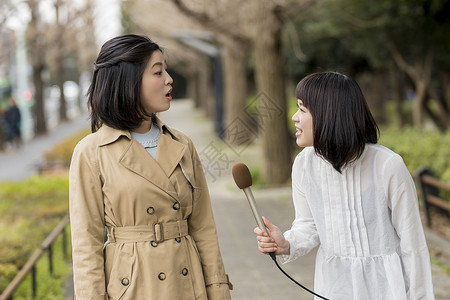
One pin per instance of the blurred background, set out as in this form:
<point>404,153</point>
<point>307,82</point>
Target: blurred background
<point>224,54</point>
<point>238,63</point>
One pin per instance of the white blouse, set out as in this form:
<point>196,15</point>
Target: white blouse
<point>367,223</point>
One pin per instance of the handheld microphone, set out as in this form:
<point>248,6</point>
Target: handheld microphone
<point>243,179</point>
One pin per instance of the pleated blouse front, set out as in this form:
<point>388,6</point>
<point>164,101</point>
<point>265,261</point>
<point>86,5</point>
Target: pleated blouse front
<point>367,223</point>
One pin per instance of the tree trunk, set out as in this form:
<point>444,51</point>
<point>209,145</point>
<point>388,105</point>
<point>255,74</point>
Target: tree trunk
<point>36,52</point>
<point>420,74</point>
<point>272,115</point>
<point>375,91</point>
<point>60,63</point>
<point>39,105</point>
<point>238,126</point>
<point>398,94</point>
<point>418,100</point>
<point>445,84</point>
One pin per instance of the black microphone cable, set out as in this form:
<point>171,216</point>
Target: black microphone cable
<point>272,254</point>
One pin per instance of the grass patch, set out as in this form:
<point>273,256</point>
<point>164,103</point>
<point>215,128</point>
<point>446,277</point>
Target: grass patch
<point>29,211</point>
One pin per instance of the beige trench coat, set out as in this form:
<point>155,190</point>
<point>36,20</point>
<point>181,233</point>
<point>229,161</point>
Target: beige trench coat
<point>162,240</point>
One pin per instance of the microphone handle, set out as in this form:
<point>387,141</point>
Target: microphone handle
<point>252,203</point>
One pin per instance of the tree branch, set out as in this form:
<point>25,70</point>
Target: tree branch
<point>210,22</point>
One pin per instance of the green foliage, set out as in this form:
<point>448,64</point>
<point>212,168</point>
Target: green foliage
<point>352,35</point>
<point>420,147</point>
<point>62,152</point>
<point>29,210</point>
<point>49,286</point>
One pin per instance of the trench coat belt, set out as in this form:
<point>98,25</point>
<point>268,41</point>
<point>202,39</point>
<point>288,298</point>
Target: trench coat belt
<point>157,232</point>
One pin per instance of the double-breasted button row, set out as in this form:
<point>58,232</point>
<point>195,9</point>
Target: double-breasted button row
<point>151,209</point>
<point>162,276</point>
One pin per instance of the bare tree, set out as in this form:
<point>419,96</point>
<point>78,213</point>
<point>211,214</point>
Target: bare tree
<point>36,49</point>
<point>420,74</point>
<point>260,23</point>
<point>59,52</point>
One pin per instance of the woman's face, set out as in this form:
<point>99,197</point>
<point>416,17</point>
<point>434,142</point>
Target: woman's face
<point>304,126</point>
<point>156,84</point>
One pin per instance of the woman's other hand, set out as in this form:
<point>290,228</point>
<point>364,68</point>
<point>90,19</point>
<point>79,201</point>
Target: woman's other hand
<point>275,242</point>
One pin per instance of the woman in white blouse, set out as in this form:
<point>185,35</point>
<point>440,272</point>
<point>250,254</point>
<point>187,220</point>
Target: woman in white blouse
<point>354,198</point>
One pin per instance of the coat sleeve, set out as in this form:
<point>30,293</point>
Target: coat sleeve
<point>202,228</point>
<point>87,223</point>
<point>406,220</point>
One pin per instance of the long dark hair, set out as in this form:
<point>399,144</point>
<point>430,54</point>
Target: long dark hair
<point>342,122</point>
<point>114,96</point>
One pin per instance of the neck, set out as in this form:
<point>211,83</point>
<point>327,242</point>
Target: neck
<point>144,127</point>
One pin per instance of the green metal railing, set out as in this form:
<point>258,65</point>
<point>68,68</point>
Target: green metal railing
<point>30,265</point>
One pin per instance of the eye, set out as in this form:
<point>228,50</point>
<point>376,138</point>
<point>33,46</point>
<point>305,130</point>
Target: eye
<point>158,73</point>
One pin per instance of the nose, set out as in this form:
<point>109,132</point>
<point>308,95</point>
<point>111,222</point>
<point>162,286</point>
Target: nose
<point>295,117</point>
<point>169,79</point>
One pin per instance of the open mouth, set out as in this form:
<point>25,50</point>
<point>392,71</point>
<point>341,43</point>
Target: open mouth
<point>168,95</point>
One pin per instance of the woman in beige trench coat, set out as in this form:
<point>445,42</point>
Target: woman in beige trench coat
<point>161,240</point>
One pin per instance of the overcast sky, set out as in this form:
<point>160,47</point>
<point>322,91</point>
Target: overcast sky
<point>107,17</point>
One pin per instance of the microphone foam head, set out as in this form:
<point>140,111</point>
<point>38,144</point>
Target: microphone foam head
<point>241,175</point>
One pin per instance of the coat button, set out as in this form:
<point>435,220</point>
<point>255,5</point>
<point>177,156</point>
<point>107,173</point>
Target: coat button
<point>125,281</point>
<point>161,276</point>
<point>151,210</point>
<point>153,243</point>
<point>178,239</point>
<point>176,206</point>
<point>184,272</point>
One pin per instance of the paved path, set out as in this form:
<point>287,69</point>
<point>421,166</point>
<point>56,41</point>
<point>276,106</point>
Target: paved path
<point>22,163</point>
<point>253,275</point>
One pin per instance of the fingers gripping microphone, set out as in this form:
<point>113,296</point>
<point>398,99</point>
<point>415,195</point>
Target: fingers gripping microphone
<point>243,179</point>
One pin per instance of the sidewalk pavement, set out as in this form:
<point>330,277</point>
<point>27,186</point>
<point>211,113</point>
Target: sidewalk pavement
<point>253,274</point>
<point>19,164</point>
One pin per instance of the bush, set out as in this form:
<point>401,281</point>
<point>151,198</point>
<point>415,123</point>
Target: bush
<point>62,153</point>
<point>29,210</point>
<point>420,147</point>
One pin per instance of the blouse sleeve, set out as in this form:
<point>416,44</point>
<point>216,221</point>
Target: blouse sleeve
<point>87,224</point>
<point>414,254</point>
<point>303,235</point>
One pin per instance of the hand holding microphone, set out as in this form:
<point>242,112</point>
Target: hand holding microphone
<point>270,239</point>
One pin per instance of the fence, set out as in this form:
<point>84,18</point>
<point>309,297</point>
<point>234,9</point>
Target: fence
<point>430,188</point>
<point>30,265</point>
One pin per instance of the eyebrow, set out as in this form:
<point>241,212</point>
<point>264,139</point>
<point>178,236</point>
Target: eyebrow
<point>156,64</point>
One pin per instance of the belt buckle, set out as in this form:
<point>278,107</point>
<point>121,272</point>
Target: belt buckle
<point>158,232</point>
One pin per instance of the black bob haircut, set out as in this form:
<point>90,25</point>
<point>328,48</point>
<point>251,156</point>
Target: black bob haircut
<point>114,96</point>
<point>342,122</point>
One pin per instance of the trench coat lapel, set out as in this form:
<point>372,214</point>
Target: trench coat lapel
<point>138,160</point>
<point>169,153</point>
